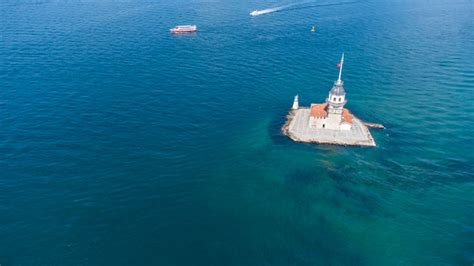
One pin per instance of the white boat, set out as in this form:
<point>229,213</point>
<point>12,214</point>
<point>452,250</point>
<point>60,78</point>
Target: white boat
<point>255,13</point>
<point>265,11</point>
<point>184,29</point>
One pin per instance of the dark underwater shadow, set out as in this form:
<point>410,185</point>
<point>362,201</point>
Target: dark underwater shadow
<point>356,197</point>
<point>274,129</point>
<point>300,178</point>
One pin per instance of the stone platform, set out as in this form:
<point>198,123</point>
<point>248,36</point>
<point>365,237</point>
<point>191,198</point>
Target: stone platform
<point>297,128</point>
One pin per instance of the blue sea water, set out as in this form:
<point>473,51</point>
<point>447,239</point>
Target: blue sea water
<point>121,144</point>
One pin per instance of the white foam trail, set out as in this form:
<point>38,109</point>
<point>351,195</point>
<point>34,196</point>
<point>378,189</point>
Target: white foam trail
<point>269,10</point>
<point>300,3</point>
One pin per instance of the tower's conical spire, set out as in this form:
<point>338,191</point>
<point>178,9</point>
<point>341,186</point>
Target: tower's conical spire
<point>339,81</point>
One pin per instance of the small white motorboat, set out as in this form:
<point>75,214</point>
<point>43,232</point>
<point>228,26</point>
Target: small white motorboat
<point>255,13</point>
<point>184,29</point>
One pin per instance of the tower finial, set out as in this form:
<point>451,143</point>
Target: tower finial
<point>340,69</point>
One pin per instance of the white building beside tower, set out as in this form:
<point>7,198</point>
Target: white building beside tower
<point>332,114</point>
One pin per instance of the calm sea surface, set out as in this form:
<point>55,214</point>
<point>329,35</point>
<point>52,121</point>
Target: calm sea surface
<point>121,144</point>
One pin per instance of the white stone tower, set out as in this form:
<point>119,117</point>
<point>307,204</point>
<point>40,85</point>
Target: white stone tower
<point>296,105</point>
<point>336,101</point>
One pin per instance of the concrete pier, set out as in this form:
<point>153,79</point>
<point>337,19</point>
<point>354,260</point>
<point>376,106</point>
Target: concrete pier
<point>374,125</point>
<point>297,129</point>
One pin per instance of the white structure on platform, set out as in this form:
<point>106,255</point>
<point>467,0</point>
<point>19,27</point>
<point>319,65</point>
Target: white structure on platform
<point>296,105</point>
<point>332,114</point>
<point>328,122</point>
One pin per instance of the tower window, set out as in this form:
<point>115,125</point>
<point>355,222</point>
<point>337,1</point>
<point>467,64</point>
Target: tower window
<point>339,98</point>
<point>334,98</point>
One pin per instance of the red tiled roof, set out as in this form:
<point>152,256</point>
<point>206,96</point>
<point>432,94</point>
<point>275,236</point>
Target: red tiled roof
<point>347,116</point>
<point>319,110</point>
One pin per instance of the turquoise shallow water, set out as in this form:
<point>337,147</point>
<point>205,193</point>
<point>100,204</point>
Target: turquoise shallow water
<point>124,145</point>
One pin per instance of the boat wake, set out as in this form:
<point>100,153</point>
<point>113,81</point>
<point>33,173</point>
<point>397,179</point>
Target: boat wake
<point>265,11</point>
<point>296,6</point>
<point>321,5</point>
<point>269,10</point>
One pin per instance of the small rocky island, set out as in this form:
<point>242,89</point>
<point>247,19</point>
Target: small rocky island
<point>329,122</point>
